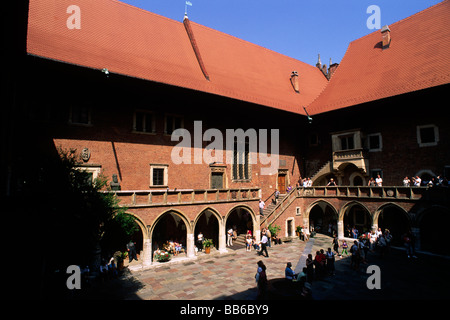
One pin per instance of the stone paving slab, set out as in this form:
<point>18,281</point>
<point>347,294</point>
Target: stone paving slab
<point>231,277</point>
<point>223,277</point>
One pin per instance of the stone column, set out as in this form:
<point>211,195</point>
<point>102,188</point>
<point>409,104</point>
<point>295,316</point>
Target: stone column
<point>190,245</point>
<point>147,253</point>
<point>340,229</point>
<point>222,239</point>
<point>257,228</point>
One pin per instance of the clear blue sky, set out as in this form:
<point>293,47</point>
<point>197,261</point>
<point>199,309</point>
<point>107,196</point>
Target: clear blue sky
<point>297,28</point>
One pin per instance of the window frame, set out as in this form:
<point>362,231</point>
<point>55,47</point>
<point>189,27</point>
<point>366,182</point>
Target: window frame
<point>246,174</point>
<point>89,115</point>
<point>380,139</point>
<point>419,135</point>
<point>174,117</point>
<point>144,119</point>
<point>165,167</point>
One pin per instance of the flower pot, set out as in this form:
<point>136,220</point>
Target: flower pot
<point>207,250</point>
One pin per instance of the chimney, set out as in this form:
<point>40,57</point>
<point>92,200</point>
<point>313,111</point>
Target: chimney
<point>294,81</point>
<point>386,37</point>
<point>332,69</point>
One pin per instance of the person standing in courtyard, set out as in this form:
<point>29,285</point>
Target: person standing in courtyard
<point>131,248</point>
<point>264,245</point>
<point>330,262</point>
<point>354,263</point>
<point>261,280</point>
<point>309,268</point>
<point>336,245</point>
<point>344,248</point>
<point>409,243</point>
<point>230,237</point>
<point>200,241</point>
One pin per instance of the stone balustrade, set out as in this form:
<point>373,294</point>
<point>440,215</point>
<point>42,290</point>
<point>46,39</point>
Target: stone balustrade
<point>147,198</point>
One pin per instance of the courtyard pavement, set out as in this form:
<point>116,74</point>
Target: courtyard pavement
<point>230,276</point>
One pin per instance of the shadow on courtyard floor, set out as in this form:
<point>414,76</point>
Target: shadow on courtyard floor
<point>424,278</point>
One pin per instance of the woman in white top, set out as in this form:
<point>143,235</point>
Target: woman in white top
<point>379,181</point>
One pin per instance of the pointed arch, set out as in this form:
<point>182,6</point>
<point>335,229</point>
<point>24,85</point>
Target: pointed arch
<point>235,216</point>
<point>140,223</point>
<point>177,213</point>
<point>249,209</point>
<point>213,211</point>
<point>351,204</point>
<point>210,223</point>
<point>355,214</point>
<point>319,201</point>
<point>384,206</point>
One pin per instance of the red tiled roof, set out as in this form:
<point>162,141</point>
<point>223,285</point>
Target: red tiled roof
<point>418,58</point>
<point>134,42</point>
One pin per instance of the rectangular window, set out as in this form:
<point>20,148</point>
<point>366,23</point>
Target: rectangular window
<point>144,122</point>
<point>374,142</point>
<point>91,173</point>
<point>80,115</point>
<point>216,180</point>
<point>172,122</point>
<point>241,166</point>
<point>159,175</point>
<point>427,135</point>
<point>347,142</point>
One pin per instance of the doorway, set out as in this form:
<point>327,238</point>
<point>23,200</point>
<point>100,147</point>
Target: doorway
<point>281,183</point>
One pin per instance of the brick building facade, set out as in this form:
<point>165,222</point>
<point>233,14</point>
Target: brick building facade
<point>101,91</point>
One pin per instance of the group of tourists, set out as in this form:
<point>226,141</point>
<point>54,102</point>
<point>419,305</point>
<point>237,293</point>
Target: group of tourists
<point>173,247</point>
<point>416,181</point>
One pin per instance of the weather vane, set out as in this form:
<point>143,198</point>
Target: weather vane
<point>188,3</point>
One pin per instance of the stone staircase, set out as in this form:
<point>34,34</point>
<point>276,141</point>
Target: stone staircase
<point>269,208</point>
<point>325,169</point>
<point>239,243</point>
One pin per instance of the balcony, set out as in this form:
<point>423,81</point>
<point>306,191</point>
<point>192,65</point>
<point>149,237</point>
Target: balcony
<point>354,156</point>
<point>153,198</point>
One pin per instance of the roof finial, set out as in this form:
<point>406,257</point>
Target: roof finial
<point>319,63</point>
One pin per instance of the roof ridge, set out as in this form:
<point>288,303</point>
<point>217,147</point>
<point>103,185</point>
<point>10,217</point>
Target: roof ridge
<point>146,11</point>
<point>250,43</point>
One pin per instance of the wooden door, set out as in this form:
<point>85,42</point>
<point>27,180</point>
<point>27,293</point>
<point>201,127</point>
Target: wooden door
<point>282,183</point>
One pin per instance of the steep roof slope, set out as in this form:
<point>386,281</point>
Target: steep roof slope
<point>418,58</point>
<point>137,43</point>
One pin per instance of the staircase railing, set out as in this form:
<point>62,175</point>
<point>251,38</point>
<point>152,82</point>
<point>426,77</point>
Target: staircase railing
<point>290,195</point>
